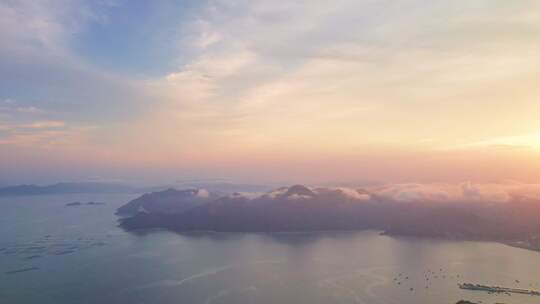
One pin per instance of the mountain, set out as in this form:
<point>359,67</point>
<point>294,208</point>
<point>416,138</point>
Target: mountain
<point>225,187</point>
<point>168,201</point>
<point>295,208</point>
<point>63,188</point>
<point>300,208</point>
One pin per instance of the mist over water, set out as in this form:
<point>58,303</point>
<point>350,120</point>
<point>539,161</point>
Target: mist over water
<point>51,253</point>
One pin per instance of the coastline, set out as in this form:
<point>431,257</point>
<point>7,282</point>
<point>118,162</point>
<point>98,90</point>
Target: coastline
<point>515,244</point>
<point>522,245</point>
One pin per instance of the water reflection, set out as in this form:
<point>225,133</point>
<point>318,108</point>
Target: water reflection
<point>234,268</point>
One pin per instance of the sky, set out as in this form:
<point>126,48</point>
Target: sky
<point>342,91</point>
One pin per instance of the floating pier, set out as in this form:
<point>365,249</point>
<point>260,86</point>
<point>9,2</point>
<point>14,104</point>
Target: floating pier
<point>497,289</point>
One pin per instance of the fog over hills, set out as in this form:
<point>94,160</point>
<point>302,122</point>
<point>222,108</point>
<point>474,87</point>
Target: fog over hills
<point>475,212</point>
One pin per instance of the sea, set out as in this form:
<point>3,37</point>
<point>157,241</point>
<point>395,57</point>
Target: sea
<point>58,254</point>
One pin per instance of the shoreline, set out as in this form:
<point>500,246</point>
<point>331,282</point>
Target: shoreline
<point>521,245</point>
<point>514,244</point>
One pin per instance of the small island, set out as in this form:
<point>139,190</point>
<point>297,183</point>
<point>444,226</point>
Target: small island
<point>75,204</point>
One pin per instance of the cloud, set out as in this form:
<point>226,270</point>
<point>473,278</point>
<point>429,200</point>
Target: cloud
<point>350,193</point>
<point>52,97</point>
<point>450,193</point>
<point>48,124</point>
<point>34,129</point>
<point>296,70</point>
<point>10,107</point>
<point>457,193</point>
<point>37,52</point>
<point>528,140</point>
<point>313,88</point>
<point>29,109</point>
<point>429,193</point>
<point>298,197</point>
<point>203,193</point>
<point>25,125</point>
<point>355,194</point>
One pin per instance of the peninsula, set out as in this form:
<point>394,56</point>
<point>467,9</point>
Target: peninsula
<point>301,208</point>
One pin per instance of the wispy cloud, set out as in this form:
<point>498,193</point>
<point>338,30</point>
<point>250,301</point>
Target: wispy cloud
<point>465,192</point>
<point>48,124</point>
<point>291,85</point>
<point>303,64</point>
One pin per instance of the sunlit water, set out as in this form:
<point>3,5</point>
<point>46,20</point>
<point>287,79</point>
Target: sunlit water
<point>50,253</point>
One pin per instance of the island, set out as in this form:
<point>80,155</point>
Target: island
<point>76,204</point>
<point>65,188</point>
<point>301,208</point>
<point>73,204</point>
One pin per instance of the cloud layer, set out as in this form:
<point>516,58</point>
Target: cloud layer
<point>459,193</point>
<point>437,193</point>
<point>317,90</point>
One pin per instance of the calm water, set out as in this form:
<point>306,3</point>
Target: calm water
<point>78,255</point>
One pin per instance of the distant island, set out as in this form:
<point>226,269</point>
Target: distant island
<point>300,208</point>
<point>220,187</point>
<point>76,204</point>
<point>65,188</point>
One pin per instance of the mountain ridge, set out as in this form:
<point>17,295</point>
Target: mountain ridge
<point>300,208</point>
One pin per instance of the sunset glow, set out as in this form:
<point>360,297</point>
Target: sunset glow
<point>318,91</point>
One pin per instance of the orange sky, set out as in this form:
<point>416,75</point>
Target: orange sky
<point>261,91</point>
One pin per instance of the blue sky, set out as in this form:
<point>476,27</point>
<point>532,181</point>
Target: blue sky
<point>269,90</point>
<point>139,37</point>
